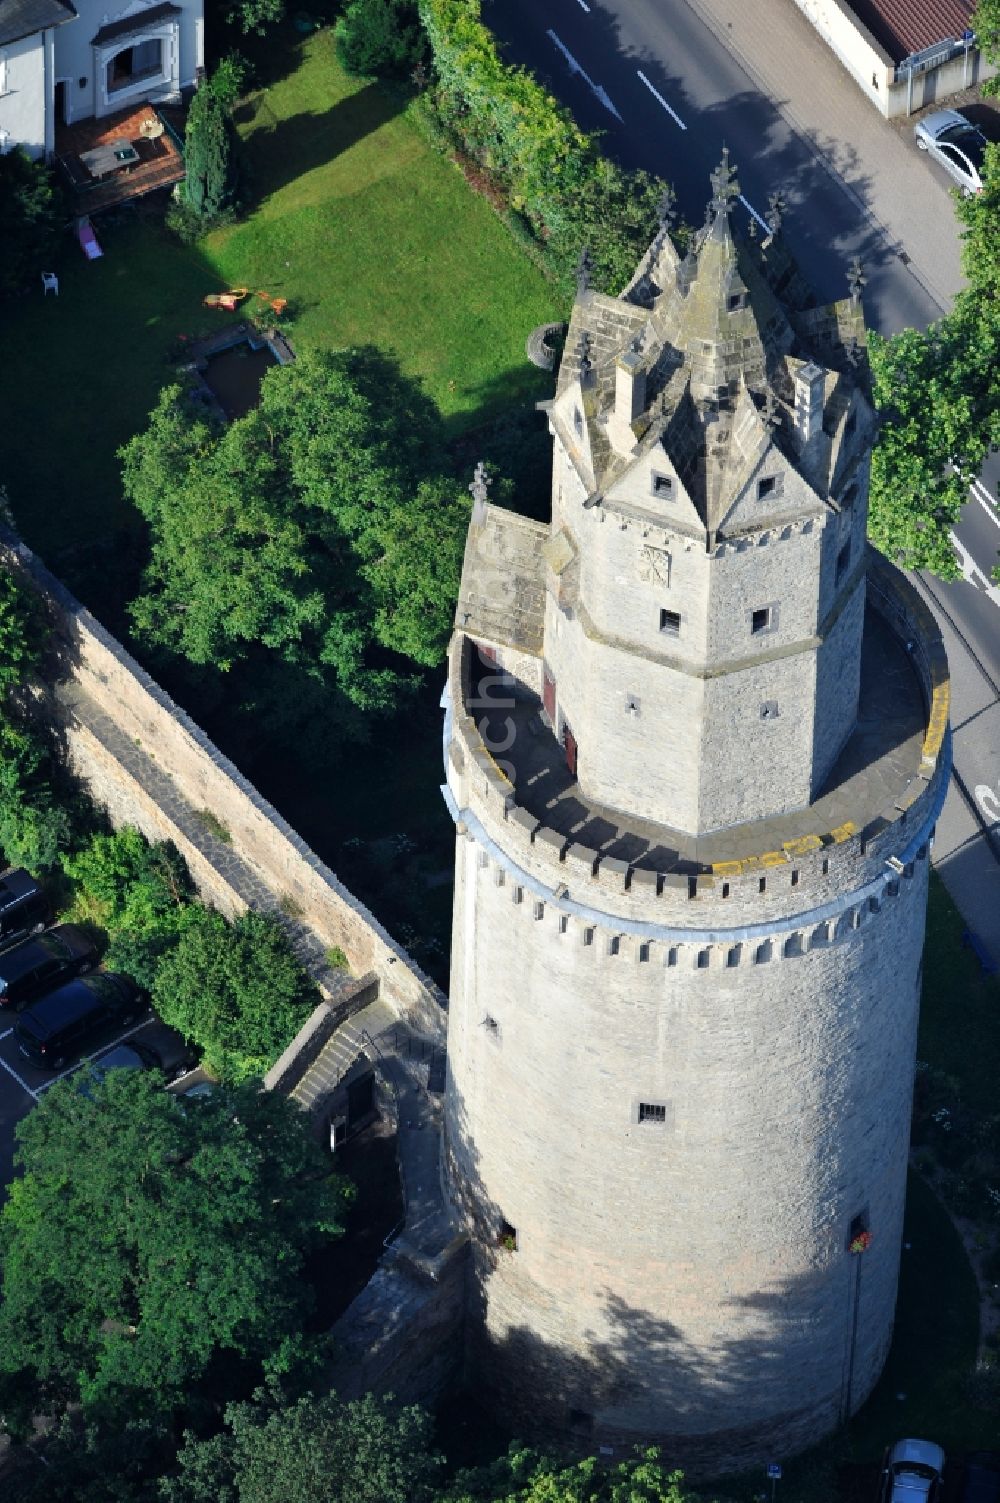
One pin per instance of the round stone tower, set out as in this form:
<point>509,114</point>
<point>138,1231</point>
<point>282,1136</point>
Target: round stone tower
<point>696,743</point>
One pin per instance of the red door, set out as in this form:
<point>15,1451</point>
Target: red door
<point>569,742</point>
<point>549,695</point>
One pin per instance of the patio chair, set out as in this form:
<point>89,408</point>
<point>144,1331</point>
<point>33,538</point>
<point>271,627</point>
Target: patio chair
<point>50,283</point>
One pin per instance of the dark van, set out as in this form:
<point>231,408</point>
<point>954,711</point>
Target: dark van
<point>24,908</point>
<point>39,965</point>
<point>60,1026</point>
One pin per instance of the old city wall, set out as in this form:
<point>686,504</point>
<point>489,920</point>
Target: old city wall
<point>148,762</point>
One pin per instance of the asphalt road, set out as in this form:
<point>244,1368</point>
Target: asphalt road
<point>707,100</point>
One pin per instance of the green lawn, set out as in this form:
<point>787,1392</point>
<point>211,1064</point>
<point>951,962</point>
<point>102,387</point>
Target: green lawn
<point>369,233</point>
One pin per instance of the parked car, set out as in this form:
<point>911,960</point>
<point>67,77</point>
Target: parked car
<point>981,1478</point>
<point>60,1026</point>
<point>24,908</point>
<point>37,966</point>
<point>957,144</point>
<point>159,1048</point>
<point>912,1473</point>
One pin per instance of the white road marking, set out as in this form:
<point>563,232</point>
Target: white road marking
<point>986,501</point>
<point>972,572</point>
<point>658,96</point>
<point>751,210</point>
<point>7,1034</point>
<point>87,1058</point>
<point>989,802</point>
<point>22,1083</point>
<point>574,67</point>
<point>583,6</point>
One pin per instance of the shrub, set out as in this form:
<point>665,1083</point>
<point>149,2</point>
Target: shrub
<point>552,174</point>
<point>237,990</point>
<point>137,887</point>
<point>209,189</point>
<point>32,218</point>
<point>34,828</point>
<point>380,37</point>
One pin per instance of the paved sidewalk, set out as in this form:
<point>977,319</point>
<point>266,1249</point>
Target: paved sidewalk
<point>893,184</point>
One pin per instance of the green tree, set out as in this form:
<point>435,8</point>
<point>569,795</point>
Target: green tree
<point>237,990</point>
<point>291,529</point>
<point>380,37</point>
<point>364,1451</point>
<point>256,16</point>
<point>150,1241</point>
<point>523,1476</point>
<point>32,219</point>
<point>986,24</point>
<point>209,186</point>
<point>938,395</point>
<point>24,631</point>
<point>35,824</point>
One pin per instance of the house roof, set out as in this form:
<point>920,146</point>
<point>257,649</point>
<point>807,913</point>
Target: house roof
<point>22,18</point>
<point>907,26</point>
<point>132,25</point>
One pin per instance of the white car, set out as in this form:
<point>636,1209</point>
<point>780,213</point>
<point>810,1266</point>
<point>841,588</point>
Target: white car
<point>957,144</point>
<point>912,1473</point>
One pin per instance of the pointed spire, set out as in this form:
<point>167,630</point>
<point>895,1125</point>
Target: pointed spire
<point>584,267</point>
<point>724,187</point>
<point>666,209</point>
<point>481,483</point>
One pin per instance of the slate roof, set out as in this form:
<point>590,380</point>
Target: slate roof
<point>22,18</point>
<point>134,24</point>
<point>502,596</point>
<point>716,340</point>
<point>907,26</point>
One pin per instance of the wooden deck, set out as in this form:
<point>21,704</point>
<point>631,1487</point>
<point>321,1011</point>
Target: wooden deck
<point>160,165</point>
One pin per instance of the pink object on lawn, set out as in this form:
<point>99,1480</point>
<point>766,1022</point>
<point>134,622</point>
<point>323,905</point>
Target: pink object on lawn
<point>88,240</point>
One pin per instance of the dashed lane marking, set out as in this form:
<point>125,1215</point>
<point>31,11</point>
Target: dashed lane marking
<point>658,96</point>
<point>751,210</point>
<point>989,506</point>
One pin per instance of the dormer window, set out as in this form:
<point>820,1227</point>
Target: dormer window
<point>768,486</point>
<point>663,487</point>
<point>735,301</point>
<point>670,623</point>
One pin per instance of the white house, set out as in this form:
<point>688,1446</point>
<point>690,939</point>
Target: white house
<point>61,62</point>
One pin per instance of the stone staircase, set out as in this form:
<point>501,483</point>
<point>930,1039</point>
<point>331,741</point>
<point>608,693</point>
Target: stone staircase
<point>340,1052</point>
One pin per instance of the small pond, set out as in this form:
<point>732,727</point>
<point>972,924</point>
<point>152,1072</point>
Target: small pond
<point>234,375</point>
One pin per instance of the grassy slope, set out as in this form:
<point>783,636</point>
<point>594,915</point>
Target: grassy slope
<point>369,233</point>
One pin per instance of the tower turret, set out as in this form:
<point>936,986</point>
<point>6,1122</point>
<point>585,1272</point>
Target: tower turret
<point>696,744</point>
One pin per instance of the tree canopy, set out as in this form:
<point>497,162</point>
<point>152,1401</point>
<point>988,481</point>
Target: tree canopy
<point>318,1450</point>
<point>32,219</point>
<point>236,990</point>
<point>317,527</point>
<point>938,394</point>
<point>150,1241</point>
<point>986,24</point>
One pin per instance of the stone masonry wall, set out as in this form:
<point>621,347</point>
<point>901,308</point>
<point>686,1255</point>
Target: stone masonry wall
<point>111,708</point>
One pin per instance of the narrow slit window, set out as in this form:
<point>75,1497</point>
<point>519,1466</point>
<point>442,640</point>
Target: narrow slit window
<point>760,621</point>
<point>670,623</point>
<point>663,487</point>
<point>653,1111</point>
<point>766,487</point>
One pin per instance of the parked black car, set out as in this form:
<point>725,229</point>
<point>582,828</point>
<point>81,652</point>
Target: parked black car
<point>24,908</point>
<point>158,1047</point>
<point>60,1026</point>
<point>37,966</point>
